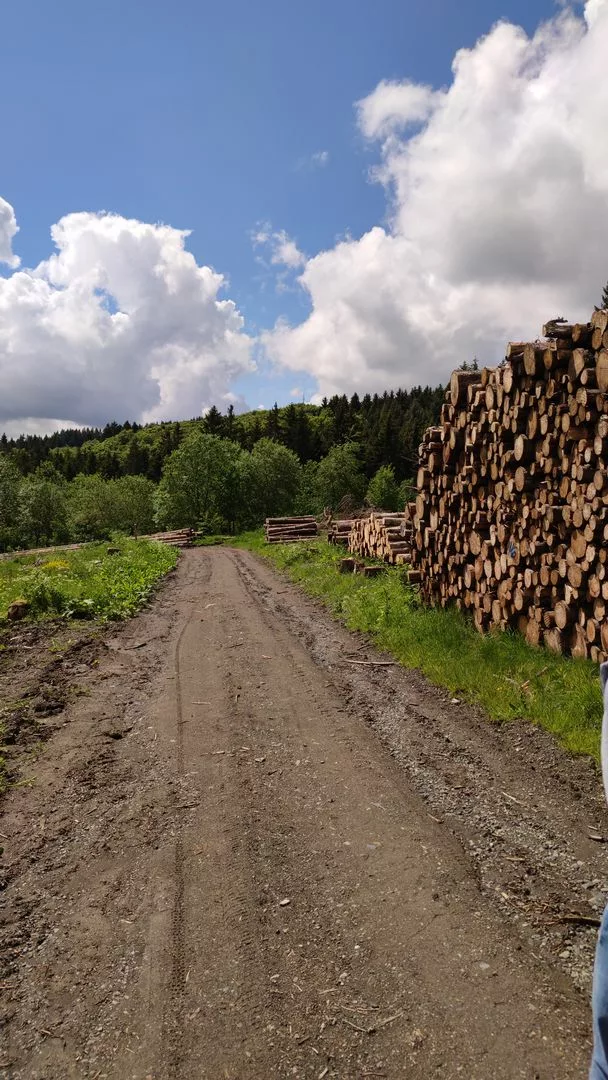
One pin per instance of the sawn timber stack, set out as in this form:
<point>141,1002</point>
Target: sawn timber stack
<point>511,517</point>
<point>287,530</point>
<point>382,536</point>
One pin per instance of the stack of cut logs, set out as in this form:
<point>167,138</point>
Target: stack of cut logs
<point>511,518</point>
<point>287,530</point>
<point>177,538</point>
<point>339,531</point>
<point>382,536</point>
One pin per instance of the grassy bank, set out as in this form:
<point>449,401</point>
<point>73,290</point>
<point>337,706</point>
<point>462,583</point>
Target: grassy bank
<point>498,671</point>
<point>86,583</point>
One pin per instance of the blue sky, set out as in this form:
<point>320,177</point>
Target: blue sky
<point>207,117</point>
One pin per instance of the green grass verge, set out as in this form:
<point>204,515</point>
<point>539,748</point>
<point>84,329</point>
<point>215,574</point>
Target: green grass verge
<point>498,671</point>
<point>86,583</point>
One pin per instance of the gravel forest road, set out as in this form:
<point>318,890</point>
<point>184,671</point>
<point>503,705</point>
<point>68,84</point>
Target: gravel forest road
<point>244,856</point>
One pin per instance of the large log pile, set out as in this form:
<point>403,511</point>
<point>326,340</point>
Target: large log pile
<point>287,530</point>
<point>511,518</point>
<point>382,536</point>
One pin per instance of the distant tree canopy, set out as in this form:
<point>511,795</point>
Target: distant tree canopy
<point>218,472</point>
<point>388,428</point>
<point>43,508</point>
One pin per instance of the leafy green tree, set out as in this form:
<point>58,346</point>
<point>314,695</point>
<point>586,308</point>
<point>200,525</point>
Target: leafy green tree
<point>134,504</point>
<point>383,490</point>
<point>92,508</point>
<point>9,503</point>
<point>230,505</point>
<point>201,483</point>
<point>604,301</point>
<point>309,500</point>
<point>340,474</point>
<point>276,477</point>
<point>43,507</point>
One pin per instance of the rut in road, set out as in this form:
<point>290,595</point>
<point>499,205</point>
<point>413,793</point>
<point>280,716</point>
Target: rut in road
<point>299,912</point>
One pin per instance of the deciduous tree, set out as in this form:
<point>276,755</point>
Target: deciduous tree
<point>383,490</point>
<point>340,474</point>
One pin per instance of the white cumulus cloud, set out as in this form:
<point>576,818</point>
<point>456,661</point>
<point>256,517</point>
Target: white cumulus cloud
<point>119,322</point>
<point>285,251</point>
<point>280,249</point>
<point>595,8</point>
<point>8,230</point>
<point>497,192</point>
<point>395,105</point>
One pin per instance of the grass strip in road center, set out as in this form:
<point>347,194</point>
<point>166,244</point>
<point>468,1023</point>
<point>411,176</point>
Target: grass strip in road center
<point>499,671</point>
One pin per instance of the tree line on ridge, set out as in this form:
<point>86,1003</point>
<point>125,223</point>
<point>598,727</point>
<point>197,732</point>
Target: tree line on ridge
<point>218,472</point>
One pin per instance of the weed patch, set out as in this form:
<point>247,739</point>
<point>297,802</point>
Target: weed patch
<point>86,583</point>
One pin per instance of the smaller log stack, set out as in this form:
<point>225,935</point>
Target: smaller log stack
<point>511,518</point>
<point>290,530</point>
<point>181,538</point>
<point>382,536</point>
<point>339,531</point>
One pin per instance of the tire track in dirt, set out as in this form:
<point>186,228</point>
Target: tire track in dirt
<point>174,1008</point>
<point>178,938</point>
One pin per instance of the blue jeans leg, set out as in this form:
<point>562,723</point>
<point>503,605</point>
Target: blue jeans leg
<point>599,1061</point>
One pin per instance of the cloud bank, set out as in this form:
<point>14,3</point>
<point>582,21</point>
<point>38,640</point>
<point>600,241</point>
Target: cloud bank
<point>497,192</point>
<point>120,322</point>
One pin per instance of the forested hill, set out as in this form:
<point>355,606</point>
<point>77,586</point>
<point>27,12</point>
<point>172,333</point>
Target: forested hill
<point>388,429</point>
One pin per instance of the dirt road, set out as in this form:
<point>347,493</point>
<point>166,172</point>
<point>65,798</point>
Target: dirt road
<point>241,856</point>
